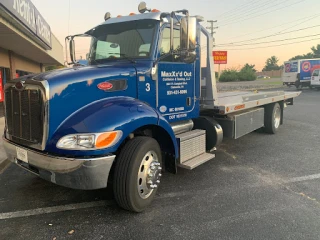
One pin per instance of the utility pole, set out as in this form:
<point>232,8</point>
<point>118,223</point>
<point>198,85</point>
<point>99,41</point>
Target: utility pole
<point>212,27</point>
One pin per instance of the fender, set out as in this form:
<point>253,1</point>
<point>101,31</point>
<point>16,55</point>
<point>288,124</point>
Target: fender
<point>166,126</point>
<point>116,113</point>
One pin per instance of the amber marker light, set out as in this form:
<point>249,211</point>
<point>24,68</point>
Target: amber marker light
<point>107,139</point>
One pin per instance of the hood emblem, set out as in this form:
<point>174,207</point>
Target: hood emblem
<point>19,85</point>
<point>105,86</point>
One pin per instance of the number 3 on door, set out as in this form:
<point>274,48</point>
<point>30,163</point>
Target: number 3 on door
<point>148,87</point>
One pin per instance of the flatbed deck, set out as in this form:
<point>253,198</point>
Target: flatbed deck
<point>230,102</point>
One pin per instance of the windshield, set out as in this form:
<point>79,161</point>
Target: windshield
<point>122,40</point>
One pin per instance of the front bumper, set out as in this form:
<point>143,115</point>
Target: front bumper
<point>76,173</point>
<point>315,84</point>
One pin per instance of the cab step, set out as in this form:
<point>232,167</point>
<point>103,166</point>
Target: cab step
<point>196,161</point>
<point>192,146</point>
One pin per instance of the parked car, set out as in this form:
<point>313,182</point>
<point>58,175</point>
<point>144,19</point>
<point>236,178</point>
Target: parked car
<point>315,79</point>
<point>263,76</point>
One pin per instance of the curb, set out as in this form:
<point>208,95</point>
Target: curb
<point>4,164</point>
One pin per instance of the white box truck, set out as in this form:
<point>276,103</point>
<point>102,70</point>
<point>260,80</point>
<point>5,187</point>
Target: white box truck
<point>298,72</point>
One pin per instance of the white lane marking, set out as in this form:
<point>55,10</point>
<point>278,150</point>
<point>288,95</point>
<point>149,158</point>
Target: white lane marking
<point>84,205</point>
<point>304,178</point>
<point>55,209</point>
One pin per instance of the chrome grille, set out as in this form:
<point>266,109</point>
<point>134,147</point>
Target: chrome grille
<point>25,115</point>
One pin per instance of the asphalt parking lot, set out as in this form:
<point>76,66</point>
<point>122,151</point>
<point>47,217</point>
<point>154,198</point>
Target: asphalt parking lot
<point>258,187</point>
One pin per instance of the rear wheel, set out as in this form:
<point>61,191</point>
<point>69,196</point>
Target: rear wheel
<point>137,174</point>
<point>272,119</point>
<point>298,85</point>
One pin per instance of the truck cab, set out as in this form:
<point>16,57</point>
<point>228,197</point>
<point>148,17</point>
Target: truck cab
<point>134,110</point>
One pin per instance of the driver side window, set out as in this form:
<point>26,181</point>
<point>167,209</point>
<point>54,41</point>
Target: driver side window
<point>165,44</point>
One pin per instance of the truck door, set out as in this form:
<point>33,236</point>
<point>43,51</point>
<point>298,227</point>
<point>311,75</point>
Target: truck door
<point>315,79</point>
<point>176,81</point>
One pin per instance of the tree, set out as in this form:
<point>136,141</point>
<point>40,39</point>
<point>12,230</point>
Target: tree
<point>314,54</point>
<point>304,56</point>
<point>271,64</point>
<point>316,51</point>
<point>249,66</point>
<point>229,75</point>
<point>247,73</point>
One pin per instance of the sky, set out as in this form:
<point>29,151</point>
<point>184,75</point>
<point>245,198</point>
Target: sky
<point>243,25</point>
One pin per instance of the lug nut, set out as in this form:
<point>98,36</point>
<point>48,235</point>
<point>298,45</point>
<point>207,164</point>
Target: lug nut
<point>160,175</point>
<point>153,168</point>
<point>150,182</point>
<point>159,168</point>
<point>158,181</point>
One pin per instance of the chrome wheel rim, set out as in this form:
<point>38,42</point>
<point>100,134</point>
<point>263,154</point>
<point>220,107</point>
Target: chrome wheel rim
<point>277,117</point>
<point>149,174</point>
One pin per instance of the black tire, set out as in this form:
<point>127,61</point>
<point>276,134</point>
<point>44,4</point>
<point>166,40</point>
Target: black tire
<point>270,125</point>
<point>125,178</point>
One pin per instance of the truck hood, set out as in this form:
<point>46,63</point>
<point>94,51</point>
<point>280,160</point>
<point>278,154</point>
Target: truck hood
<point>74,88</point>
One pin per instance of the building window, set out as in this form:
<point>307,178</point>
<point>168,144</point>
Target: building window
<point>20,73</point>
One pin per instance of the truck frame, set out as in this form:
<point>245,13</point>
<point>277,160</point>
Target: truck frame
<point>133,113</point>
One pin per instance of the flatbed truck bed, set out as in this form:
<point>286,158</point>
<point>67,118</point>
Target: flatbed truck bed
<point>231,102</point>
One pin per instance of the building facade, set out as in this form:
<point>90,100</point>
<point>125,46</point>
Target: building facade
<point>27,44</point>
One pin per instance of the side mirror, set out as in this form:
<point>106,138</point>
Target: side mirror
<point>72,50</point>
<point>83,40</point>
<point>188,34</point>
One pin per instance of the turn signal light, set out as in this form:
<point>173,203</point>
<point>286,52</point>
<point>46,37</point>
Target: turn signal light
<point>131,14</point>
<point>155,10</point>
<point>105,140</point>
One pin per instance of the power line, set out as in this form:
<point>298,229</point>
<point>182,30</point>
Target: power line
<point>241,14</point>
<point>313,17</point>
<point>281,40</point>
<point>264,13</point>
<point>276,45</point>
<point>263,30</point>
<point>276,34</point>
<point>237,8</point>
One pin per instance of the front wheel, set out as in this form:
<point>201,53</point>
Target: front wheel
<point>137,174</point>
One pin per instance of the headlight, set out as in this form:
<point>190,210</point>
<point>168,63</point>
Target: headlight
<point>90,141</point>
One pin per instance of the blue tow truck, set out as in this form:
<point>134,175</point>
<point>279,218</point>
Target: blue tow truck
<point>136,110</point>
